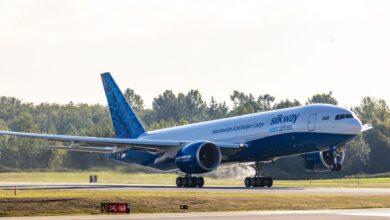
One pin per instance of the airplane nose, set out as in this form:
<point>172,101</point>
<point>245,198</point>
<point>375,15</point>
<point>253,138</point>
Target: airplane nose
<point>356,126</point>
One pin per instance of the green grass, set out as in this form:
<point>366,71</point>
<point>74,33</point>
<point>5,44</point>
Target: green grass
<point>79,202</point>
<point>169,179</point>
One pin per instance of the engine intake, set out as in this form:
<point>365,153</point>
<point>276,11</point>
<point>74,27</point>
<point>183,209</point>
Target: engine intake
<point>198,157</point>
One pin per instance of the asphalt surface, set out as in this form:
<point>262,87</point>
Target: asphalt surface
<point>222,189</point>
<point>347,214</point>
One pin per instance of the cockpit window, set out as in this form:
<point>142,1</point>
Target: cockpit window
<point>343,116</point>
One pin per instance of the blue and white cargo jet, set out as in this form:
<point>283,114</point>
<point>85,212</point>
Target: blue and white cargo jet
<point>317,132</point>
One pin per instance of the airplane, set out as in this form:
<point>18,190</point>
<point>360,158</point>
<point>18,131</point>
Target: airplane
<point>316,132</point>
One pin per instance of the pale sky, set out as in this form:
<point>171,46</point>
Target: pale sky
<point>55,50</point>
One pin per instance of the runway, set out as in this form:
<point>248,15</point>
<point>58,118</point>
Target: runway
<point>220,189</point>
<point>346,214</point>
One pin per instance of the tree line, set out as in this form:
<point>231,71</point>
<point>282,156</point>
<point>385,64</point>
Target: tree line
<point>366,154</point>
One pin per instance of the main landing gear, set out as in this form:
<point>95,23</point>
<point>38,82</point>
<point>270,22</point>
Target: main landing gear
<point>258,180</point>
<point>189,181</point>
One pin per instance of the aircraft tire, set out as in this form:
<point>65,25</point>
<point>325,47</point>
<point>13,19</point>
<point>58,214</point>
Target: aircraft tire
<point>268,182</point>
<point>254,181</point>
<point>179,182</point>
<point>194,182</point>
<point>247,182</point>
<point>186,182</point>
<point>200,182</point>
<point>261,182</point>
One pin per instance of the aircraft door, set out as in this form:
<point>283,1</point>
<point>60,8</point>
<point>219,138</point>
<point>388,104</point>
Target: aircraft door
<point>311,124</point>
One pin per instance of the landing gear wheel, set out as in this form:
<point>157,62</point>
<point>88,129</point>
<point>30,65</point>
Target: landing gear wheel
<point>185,182</point>
<point>179,182</point>
<point>262,182</point>
<point>200,182</point>
<point>189,181</point>
<point>248,182</point>
<point>194,181</point>
<point>258,180</point>
<point>254,181</point>
<point>268,181</point>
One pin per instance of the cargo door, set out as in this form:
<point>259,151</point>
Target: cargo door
<point>311,124</point>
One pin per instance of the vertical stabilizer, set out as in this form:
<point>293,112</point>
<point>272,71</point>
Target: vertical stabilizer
<point>126,123</point>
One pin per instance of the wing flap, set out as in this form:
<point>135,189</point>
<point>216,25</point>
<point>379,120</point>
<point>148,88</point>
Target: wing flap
<point>102,150</point>
<point>229,149</point>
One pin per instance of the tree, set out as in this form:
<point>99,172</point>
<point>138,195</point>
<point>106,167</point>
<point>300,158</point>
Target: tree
<point>358,153</point>
<point>326,98</point>
<point>193,106</point>
<point>265,102</point>
<point>373,110</point>
<point>376,112</point>
<point>167,106</point>
<point>217,110</point>
<point>134,100</point>
<point>78,160</point>
<point>243,104</point>
<point>27,151</point>
<point>286,104</point>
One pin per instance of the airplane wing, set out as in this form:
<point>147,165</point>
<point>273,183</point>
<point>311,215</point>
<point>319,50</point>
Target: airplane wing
<point>114,145</point>
<point>78,141</point>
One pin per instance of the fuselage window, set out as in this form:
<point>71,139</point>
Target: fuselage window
<point>325,118</point>
<point>343,116</point>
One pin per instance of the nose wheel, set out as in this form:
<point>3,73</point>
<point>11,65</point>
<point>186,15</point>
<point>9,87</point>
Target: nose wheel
<point>189,181</point>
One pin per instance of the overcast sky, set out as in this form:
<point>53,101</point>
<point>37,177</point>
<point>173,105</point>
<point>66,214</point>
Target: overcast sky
<point>54,51</point>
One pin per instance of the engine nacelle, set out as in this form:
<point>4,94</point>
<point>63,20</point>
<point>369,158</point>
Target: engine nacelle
<point>198,157</point>
<point>324,161</point>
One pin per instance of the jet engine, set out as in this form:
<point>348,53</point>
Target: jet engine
<point>324,161</point>
<point>198,157</point>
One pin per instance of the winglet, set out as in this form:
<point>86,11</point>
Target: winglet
<point>125,121</point>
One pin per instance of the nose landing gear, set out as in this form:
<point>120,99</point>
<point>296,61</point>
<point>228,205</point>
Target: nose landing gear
<point>337,156</point>
<point>258,180</point>
<point>189,181</point>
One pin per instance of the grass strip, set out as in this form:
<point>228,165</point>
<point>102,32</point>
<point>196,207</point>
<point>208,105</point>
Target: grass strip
<point>75,202</point>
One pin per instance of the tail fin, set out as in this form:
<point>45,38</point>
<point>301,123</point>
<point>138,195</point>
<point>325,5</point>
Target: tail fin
<point>126,123</point>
